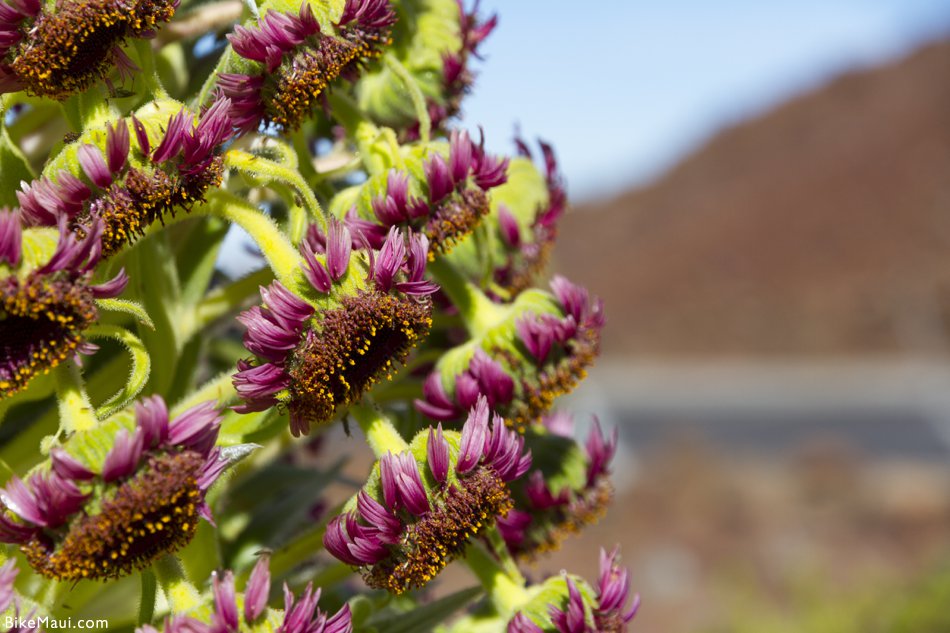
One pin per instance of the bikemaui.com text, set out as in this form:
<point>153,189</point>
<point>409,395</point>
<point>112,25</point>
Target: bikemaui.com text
<point>48,623</point>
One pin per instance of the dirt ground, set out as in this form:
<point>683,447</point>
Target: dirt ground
<point>707,534</point>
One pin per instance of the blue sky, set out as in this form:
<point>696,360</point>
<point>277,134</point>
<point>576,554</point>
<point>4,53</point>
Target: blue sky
<point>627,88</point>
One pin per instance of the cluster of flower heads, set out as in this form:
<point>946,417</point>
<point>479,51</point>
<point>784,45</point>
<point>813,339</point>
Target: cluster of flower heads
<point>298,61</point>
<point>74,521</point>
<point>66,47</point>
<point>316,361</point>
<point>527,258</point>
<point>301,613</point>
<point>455,201</point>
<point>605,615</point>
<point>542,517</point>
<point>523,384</point>
<point>127,199</point>
<point>457,76</point>
<point>402,536</point>
<point>360,304</point>
<point>44,314</point>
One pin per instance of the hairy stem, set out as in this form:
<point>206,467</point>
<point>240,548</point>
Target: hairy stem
<point>380,433</point>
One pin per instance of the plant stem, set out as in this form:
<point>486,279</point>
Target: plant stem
<point>415,94</point>
<point>380,433</point>
<point>149,74</point>
<point>271,170</point>
<point>219,388</point>
<point>506,593</point>
<point>182,596</point>
<point>76,413</point>
<point>226,299</point>
<point>95,109</point>
<point>478,312</point>
<point>280,254</point>
<point>147,599</point>
<point>285,559</point>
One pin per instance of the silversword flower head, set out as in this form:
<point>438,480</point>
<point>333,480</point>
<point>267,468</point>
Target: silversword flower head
<point>129,191</point>
<point>549,355</point>
<point>315,361</point>
<point>300,615</point>
<point>66,47</point>
<point>298,61</point>
<point>545,513</point>
<point>457,75</point>
<point>527,257</point>
<point>44,312</point>
<point>580,609</point>
<point>77,520</point>
<point>454,201</point>
<point>413,518</point>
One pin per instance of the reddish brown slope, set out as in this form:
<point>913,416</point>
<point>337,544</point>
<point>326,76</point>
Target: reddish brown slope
<point>821,227</point>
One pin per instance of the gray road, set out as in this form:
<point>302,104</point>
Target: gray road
<point>882,407</point>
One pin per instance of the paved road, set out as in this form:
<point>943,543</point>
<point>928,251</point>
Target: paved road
<point>885,407</point>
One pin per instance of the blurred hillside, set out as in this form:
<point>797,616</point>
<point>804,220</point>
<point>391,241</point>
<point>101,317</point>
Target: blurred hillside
<point>821,227</point>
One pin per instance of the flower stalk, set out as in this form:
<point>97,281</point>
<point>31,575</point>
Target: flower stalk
<point>76,412</point>
<point>380,433</point>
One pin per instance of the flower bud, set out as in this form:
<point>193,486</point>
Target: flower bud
<point>44,312</point>
<point>374,309</point>
<point>567,604</point>
<point>288,60</point>
<point>445,205</point>
<point>540,351</point>
<point>102,512</point>
<point>65,47</point>
<point>570,490</point>
<point>100,177</point>
<point>437,53</point>
<point>300,615</point>
<point>422,507</point>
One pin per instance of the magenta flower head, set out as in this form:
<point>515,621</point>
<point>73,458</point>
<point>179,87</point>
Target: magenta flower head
<point>446,206</point>
<point>288,60</point>
<point>539,352</point>
<point>44,312</point>
<point>315,358</point>
<point>64,48</point>
<point>520,229</point>
<point>100,512</point>
<point>567,604</point>
<point>300,614</point>
<point>176,161</point>
<point>527,257</point>
<point>423,506</point>
<point>558,499</point>
<point>457,74</point>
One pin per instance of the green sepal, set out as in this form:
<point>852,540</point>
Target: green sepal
<point>91,446</point>
<point>38,246</point>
